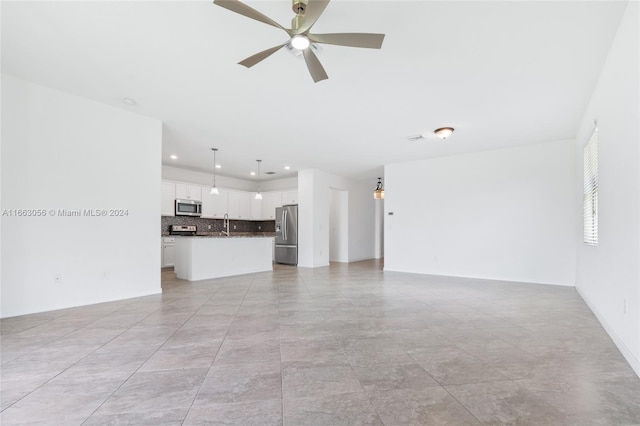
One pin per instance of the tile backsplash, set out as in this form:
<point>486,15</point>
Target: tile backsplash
<point>217,224</point>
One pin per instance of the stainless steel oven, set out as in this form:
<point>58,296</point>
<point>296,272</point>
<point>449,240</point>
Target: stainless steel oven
<point>188,208</point>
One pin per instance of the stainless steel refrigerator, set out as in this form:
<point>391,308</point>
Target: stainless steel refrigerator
<point>287,235</point>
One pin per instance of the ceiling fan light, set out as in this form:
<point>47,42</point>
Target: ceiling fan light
<point>300,42</point>
<point>443,132</point>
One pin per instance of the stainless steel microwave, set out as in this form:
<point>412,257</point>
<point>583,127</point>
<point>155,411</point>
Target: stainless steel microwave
<point>188,208</point>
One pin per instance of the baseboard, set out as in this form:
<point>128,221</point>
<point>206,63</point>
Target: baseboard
<point>626,352</point>
<point>499,279</point>
<point>83,304</point>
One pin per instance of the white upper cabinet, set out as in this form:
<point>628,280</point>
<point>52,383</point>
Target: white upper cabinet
<point>240,205</point>
<point>256,207</point>
<point>214,206</point>
<point>185,191</point>
<point>290,197</point>
<point>168,199</point>
<point>236,203</point>
<point>270,200</point>
<point>245,205</point>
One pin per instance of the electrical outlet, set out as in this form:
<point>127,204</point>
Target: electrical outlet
<point>234,227</point>
<point>57,278</point>
<point>259,227</point>
<point>209,227</point>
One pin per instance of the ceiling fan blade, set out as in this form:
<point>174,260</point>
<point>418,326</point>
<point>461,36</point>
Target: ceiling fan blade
<point>249,12</point>
<point>312,13</point>
<point>315,67</point>
<point>252,60</point>
<point>371,41</point>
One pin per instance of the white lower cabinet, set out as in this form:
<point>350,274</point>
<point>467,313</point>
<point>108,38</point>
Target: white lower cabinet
<point>168,251</point>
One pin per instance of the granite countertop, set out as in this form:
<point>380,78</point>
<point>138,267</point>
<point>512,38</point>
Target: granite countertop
<point>232,235</point>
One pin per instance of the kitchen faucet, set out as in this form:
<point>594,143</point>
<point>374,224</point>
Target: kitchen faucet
<point>226,225</point>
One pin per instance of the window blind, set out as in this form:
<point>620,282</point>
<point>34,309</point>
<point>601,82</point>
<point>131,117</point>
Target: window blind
<point>590,200</point>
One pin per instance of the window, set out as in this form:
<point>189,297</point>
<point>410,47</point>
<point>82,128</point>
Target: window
<point>590,200</point>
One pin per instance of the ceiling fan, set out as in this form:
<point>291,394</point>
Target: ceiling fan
<point>307,13</point>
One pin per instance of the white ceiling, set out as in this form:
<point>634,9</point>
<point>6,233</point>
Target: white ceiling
<point>502,73</point>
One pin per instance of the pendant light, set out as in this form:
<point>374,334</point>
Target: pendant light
<point>378,193</point>
<point>258,194</point>
<point>214,188</point>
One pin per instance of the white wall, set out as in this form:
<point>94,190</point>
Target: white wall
<point>200,178</point>
<point>504,214</point>
<point>338,225</point>
<point>609,273</point>
<point>313,220</point>
<point>306,218</point>
<point>379,229</point>
<point>280,184</point>
<point>64,152</point>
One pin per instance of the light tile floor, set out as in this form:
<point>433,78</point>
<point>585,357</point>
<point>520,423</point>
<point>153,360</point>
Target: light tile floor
<point>346,344</point>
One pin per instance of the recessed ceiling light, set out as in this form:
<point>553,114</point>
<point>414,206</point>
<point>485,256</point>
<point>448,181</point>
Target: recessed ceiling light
<point>443,132</point>
<point>129,101</point>
<point>218,166</point>
<point>252,173</point>
<point>287,168</point>
<point>173,157</point>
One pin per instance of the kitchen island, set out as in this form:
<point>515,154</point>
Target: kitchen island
<point>205,257</point>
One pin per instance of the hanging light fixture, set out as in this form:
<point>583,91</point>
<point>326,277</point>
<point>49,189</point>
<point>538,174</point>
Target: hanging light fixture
<point>258,194</point>
<point>378,193</point>
<point>214,188</point>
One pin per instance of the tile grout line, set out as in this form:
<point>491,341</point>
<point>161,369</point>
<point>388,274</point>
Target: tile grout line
<point>149,357</point>
<point>329,295</point>
<point>301,278</point>
<point>84,357</point>
<point>62,336</point>
<point>281,367</point>
<point>221,343</point>
<point>445,388</point>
